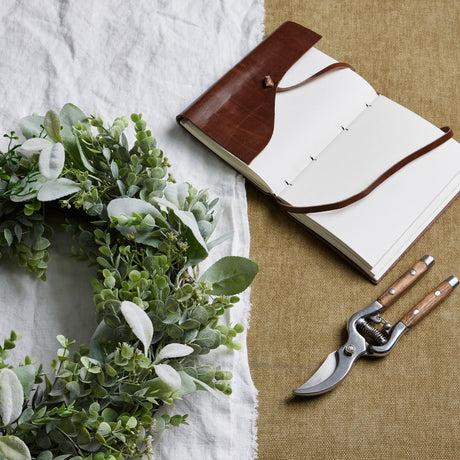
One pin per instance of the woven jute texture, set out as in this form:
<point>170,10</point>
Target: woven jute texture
<point>406,405</point>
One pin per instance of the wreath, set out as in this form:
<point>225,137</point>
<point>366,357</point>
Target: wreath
<point>146,235</point>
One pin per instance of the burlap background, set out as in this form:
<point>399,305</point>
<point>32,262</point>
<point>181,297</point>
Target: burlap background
<point>407,405</point>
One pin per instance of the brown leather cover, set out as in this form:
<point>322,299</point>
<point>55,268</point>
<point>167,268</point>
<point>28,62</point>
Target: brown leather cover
<point>238,111</point>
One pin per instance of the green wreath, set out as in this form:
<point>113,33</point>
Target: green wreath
<point>155,314</point>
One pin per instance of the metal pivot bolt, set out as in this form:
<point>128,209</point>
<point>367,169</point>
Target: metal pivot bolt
<point>350,349</point>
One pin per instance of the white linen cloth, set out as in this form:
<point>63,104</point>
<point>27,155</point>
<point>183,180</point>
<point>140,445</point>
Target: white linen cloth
<point>113,58</point>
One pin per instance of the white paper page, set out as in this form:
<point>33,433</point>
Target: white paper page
<point>371,226</point>
<point>406,239</point>
<point>382,135</point>
<point>418,226</point>
<point>308,118</point>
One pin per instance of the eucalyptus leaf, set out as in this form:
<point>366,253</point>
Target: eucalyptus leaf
<point>55,189</point>
<point>173,350</point>
<point>139,322</point>
<point>14,448</point>
<point>129,206</point>
<point>230,275</point>
<point>11,396</point>
<point>26,375</point>
<point>31,126</point>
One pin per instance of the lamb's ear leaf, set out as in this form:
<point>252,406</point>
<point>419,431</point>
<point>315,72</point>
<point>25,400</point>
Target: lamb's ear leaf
<point>11,396</point>
<point>173,350</point>
<point>52,124</point>
<point>197,250</point>
<point>55,189</point>
<point>51,161</point>
<point>139,322</point>
<point>13,448</point>
<point>168,375</point>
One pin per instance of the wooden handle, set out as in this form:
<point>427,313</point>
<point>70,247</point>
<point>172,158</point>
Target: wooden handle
<point>429,302</point>
<point>405,281</point>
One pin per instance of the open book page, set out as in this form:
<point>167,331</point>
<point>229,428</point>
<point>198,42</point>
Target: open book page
<point>308,118</point>
<point>391,217</point>
<point>227,156</point>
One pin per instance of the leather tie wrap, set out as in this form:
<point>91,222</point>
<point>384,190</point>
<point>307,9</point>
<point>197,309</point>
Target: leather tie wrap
<point>358,196</point>
<point>335,66</point>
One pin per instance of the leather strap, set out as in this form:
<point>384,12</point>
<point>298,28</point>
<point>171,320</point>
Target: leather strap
<point>335,66</point>
<point>358,196</point>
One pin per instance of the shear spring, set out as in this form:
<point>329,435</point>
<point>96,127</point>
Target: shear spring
<point>371,332</point>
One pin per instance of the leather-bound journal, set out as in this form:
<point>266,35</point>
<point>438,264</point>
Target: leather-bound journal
<point>365,174</point>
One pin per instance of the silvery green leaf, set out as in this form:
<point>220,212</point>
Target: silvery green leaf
<point>26,375</point>
<point>199,210</point>
<point>11,396</point>
<point>187,384</point>
<point>31,126</point>
<point>55,189</point>
<point>168,375</point>
<point>166,203</point>
<point>208,338</point>
<point>52,124</point>
<point>230,275</point>
<point>129,206</point>
<point>197,250</point>
<point>70,116</point>
<point>32,146</point>
<point>205,228</point>
<point>51,161</point>
<point>14,448</point>
<point>176,194</point>
<point>219,240</point>
<point>83,158</point>
<point>206,387</point>
<point>139,322</point>
<point>173,350</point>
<point>104,429</point>
<point>8,236</point>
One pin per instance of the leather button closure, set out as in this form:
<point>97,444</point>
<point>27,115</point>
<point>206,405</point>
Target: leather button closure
<point>268,82</point>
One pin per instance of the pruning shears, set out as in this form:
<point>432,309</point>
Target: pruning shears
<point>371,335</point>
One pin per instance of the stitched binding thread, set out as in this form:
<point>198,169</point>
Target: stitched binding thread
<point>358,196</point>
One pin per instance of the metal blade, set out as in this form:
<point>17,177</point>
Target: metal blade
<point>331,373</point>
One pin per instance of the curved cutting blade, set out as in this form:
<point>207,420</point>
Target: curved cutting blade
<point>331,373</point>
